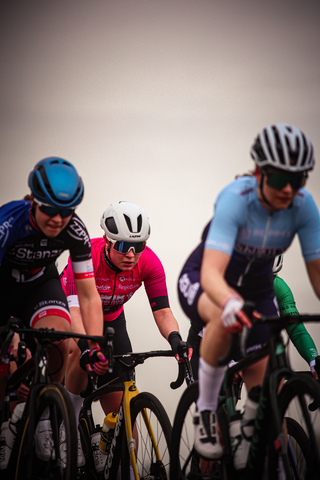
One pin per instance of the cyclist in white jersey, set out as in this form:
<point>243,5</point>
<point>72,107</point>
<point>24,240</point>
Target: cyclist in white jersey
<point>255,219</point>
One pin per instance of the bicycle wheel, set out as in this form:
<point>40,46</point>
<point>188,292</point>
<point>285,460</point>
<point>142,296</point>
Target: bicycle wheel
<point>24,462</point>
<point>298,449</point>
<point>298,393</point>
<point>185,462</point>
<point>152,455</point>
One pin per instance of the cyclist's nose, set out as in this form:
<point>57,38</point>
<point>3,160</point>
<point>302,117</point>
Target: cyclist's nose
<point>130,253</point>
<point>287,188</point>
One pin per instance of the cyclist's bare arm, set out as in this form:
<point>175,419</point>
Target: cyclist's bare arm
<point>90,305</point>
<point>165,321</point>
<point>313,269</point>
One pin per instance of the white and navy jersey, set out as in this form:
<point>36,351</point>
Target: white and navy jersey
<point>25,251</point>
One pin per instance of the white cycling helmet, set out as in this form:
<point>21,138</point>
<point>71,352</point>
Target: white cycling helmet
<point>125,222</point>
<point>284,147</point>
<point>277,264</point>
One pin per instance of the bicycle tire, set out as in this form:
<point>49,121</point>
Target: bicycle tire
<point>148,465</point>
<point>185,462</point>
<point>298,449</point>
<point>294,398</point>
<point>24,463</point>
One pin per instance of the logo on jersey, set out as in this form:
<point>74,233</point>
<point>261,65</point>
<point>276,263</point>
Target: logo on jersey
<point>78,231</point>
<point>4,229</point>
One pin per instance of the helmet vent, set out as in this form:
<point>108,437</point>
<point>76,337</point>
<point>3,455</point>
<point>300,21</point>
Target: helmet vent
<point>129,224</point>
<point>111,225</point>
<point>139,219</point>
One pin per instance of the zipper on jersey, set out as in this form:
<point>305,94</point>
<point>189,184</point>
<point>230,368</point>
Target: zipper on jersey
<point>240,279</point>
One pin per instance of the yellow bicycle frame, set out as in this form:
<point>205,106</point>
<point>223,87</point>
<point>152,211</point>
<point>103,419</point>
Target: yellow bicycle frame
<point>131,391</point>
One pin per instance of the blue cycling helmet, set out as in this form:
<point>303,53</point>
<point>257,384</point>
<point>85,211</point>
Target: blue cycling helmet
<point>55,181</point>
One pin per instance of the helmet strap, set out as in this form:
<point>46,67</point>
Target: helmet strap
<point>265,200</point>
<point>108,261</point>
<point>33,210</point>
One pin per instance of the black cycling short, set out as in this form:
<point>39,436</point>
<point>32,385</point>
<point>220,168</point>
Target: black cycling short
<point>28,300</point>
<point>189,291</point>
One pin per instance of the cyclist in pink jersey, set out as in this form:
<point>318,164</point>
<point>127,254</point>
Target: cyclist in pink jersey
<point>122,263</point>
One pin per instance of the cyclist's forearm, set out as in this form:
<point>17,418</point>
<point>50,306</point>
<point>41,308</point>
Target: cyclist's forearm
<point>76,321</point>
<point>214,264</point>
<point>90,306</point>
<point>303,342</point>
<point>313,269</point>
<point>166,322</point>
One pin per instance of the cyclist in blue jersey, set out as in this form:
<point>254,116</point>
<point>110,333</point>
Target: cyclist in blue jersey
<point>189,292</point>
<point>255,219</point>
<point>33,234</point>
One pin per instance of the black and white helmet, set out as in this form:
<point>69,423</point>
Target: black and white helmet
<point>284,147</point>
<point>125,221</point>
<point>277,264</point>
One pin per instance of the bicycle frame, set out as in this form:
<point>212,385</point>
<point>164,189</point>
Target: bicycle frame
<point>126,384</point>
<point>277,370</point>
<point>41,387</point>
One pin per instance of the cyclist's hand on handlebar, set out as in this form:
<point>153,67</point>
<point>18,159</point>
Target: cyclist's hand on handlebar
<point>92,359</point>
<point>18,350</point>
<point>315,368</point>
<point>233,316</point>
<point>97,361</point>
<point>178,346</point>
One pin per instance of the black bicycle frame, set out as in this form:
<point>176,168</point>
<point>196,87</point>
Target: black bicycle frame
<point>268,404</point>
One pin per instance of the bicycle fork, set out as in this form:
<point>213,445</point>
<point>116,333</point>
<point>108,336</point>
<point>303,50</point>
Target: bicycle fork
<point>124,414</point>
<point>130,392</point>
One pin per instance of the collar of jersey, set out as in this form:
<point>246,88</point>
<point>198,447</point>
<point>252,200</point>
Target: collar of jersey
<point>109,263</point>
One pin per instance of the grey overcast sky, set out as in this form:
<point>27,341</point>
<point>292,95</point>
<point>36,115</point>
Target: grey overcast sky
<point>157,102</point>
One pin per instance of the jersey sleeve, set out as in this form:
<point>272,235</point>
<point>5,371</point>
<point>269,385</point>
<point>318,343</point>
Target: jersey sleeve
<point>309,229</point>
<point>80,249</point>
<point>14,223</point>
<point>298,333</point>
<point>229,215</point>
<point>154,279</point>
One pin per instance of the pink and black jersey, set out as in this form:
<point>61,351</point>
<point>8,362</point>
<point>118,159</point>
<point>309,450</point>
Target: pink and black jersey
<point>115,286</point>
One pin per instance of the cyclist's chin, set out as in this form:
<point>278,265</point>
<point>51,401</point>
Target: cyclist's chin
<point>126,266</point>
<point>50,231</point>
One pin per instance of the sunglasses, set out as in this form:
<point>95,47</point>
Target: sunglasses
<point>125,247</point>
<point>279,180</point>
<point>52,211</point>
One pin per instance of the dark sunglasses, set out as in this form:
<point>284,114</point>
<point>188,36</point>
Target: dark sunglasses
<point>52,211</point>
<point>125,247</point>
<point>280,180</point>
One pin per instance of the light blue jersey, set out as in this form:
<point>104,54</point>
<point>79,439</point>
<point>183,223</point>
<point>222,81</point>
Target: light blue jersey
<point>253,236</point>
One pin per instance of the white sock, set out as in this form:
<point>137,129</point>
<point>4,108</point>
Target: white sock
<point>210,381</point>
<point>77,402</point>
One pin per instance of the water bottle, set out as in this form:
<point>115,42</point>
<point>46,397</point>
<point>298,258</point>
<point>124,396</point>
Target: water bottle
<point>8,435</point>
<point>247,426</point>
<point>107,432</point>
<point>98,455</point>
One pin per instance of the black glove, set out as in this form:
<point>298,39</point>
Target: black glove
<point>174,339</point>
<point>85,350</point>
<point>179,347</point>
